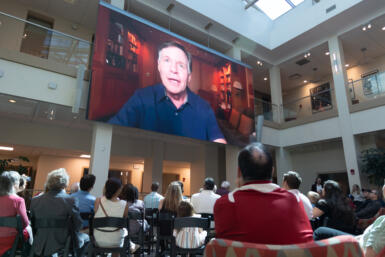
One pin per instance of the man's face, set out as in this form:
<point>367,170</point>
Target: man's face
<point>373,195</point>
<point>173,69</point>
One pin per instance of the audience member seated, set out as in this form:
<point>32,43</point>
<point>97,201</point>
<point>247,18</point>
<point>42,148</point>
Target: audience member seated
<point>85,199</point>
<point>317,186</point>
<point>152,199</point>
<point>204,201</point>
<point>185,198</point>
<point>335,208</point>
<point>74,188</point>
<point>260,211</point>
<point>291,182</point>
<point>171,200</point>
<point>224,189</point>
<point>313,197</point>
<point>11,205</point>
<point>365,202</point>
<point>131,194</point>
<point>188,237</point>
<point>111,206</point>
<point>56,203</point>
<point>371,208</point>
<point>356,195</point>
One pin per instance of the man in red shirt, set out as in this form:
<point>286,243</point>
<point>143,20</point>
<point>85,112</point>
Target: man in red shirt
<point>260,211</point>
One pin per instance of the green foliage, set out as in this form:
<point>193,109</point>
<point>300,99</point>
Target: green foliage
<point>373,165</point>
<point>7,163</point>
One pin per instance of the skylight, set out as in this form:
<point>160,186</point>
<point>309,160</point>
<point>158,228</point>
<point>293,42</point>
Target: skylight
<point>275,8</point>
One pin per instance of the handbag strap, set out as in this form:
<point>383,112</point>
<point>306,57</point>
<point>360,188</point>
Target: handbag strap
<point>101,205</point>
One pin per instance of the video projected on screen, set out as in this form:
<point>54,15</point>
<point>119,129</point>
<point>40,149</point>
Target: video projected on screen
<point>146,77</point>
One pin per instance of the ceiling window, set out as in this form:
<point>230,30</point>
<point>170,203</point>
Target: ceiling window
<point>275,8</point>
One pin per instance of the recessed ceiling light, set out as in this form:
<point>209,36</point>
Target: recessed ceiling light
<point>12,101</point>
<point>327,53</point>
<point>347,65</point>
<point>369,26</point>
<point>265,79</point>
<point>383,28</point>
<point>85,156</point>
<point>305,81</point>
<point>6,148</point>
<point>364,28</point>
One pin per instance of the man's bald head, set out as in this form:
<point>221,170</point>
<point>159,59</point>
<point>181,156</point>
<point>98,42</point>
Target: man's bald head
<point>255,162</point>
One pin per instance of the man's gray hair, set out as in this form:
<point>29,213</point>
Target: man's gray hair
<point>14,176</point>
<point>225,184</point>
<point>6,185</point>
<point>57,180</point>
<point>177,45</point>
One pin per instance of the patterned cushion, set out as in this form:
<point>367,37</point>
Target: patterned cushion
<point>340,246</point>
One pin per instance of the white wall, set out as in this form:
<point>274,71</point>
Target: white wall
<point>368,120</point>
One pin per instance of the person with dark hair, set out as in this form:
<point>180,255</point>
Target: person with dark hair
<point>224,189</point>
<point>85,199</point>
<point>111,206</point>
<point>317,186</point>
<point>371,207</point>
<point>203,202</point>
<point>260,211</point>
<point>152,199</point>
<point>188,237</point>
<point>171,107</point>
<point>130,194</point>
<point>336,208</point>
<point>291,182</point>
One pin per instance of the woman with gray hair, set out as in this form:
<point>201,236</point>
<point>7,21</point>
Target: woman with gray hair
<point>55,203</point>
<point>11,205</point>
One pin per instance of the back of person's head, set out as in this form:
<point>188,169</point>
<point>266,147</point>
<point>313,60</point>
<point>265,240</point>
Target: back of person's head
<point>14,176</point>
<point>87,182</point>
<point>74,187</point>
<point>185,209</point>
<point>6,185</point>
<point>292,179</point>
<point>356,188</point>
<point>313,197</point>
<point>255,162</point>
<point>112,187</point>
<point>154,186</point>
<point>57,180</point>
<point>338,203</point>
<point>129,193</point>
<point>225,184</point>
<point>173,197</point>
<point>209,184</point>
<point>181,186</point>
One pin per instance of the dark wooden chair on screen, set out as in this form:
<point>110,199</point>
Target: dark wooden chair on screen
<point>188,222</point>
<point>110,222</point>
<point>54,223</point>
<point>16,223</point>
<point>151,215</point>
<point>164,237</point>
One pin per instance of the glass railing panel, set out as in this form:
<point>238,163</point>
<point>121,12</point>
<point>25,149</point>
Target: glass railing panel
<point>269,111</point>
<point>307,106</point>
<point>367,88</point>
<point>18,35</point>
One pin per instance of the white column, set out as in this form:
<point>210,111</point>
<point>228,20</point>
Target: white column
<point>153,166</point>
<point>340,80</point>
<point>100,155</point>
<point>283,163</point>
<point>276,93</point>
<point>231,150</point>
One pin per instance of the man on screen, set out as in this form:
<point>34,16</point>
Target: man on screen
<point>171,107</point>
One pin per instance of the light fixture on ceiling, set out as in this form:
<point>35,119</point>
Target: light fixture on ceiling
<point>264,78</point>
<point>307,55</point>
<point>327,53</point>
<point>6,148</point>
<point>347,65</point>
<point>305,81</point>
<point>366,27</point>
<point>12,101</point>
<point>259,63</point>
<point>85,156</point>
<point>383,28</point>
<point>25,35</point>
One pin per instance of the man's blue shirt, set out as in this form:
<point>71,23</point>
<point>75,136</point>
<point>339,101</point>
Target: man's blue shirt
<point>150,108</point>
<point>86,203</point>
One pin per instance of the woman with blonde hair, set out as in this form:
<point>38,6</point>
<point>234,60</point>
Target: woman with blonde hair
<point>172,199</point>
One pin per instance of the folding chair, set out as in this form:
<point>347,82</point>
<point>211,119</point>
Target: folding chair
<point>101,223</point>
<point>211,230</point>
<point>188,222</point>
<point>138,238</point>
<point>165,227</point>
<point>151,215</point>
<point>13,222</point>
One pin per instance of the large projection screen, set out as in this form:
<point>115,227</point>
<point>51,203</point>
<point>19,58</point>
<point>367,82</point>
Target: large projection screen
<point>146,77</point>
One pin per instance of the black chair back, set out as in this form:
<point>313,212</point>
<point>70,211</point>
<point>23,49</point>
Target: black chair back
<point>16,223</point>
<point>165,227</point>
<point>110,222</point>
<point>151,215</point>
